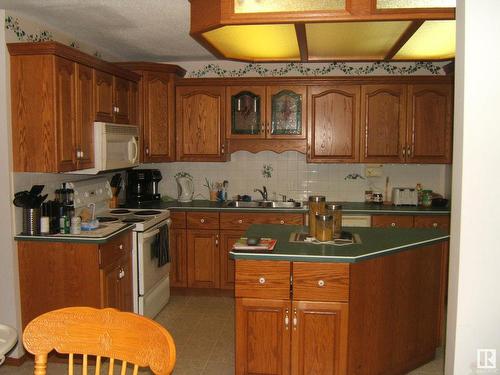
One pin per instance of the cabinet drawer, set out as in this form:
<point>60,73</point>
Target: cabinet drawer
<point>113,250</point>
<point>262,279</point>
<point>202,220</point>
<point>321,282</point>
<point>438,222</point>
<point>242,220</point>
<point>178,219</point>
<point>392,221</point>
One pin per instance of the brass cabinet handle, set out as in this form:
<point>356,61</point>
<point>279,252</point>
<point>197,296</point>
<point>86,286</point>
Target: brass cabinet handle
<point>321,283</point>
<point>262,280</point>
<point>287,320</point>
<point>409,151</point>
<point>404,151</point>
<point>240,221</point>
<point>393,225</point>
<point>282,221</point>
<point>147,150</point>
<point>295,320</point>
<point>202,221</point>
<point>435,225</point>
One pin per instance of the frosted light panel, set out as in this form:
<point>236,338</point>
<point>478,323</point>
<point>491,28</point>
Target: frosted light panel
<point>274,6</point>
<point>409,4</point>
<point>256,42</point>
<point>433,40</point>
<point>367,40</point>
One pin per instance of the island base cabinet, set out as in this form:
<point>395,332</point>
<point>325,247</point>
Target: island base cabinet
<point>263,329</point>
<point>319,338</point>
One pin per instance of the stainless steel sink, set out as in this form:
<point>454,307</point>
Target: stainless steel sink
<point>263,204</point>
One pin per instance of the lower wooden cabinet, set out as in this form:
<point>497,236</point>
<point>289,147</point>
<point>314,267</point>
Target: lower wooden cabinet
<point>203,258</point>
<point>178,258</point>
<point>392,221</point>
<point>53,275</point>
<point>227,240</point>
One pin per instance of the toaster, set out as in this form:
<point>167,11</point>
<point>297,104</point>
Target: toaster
<point>404,196</point>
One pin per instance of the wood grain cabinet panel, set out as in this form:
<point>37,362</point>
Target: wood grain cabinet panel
<point>383,123</point>
<point>121,92</point>
<point>202,220</point>
<point>85,116</point>
<point>263,279</point>
<point>321,281</point>
<point>103,96</point>
<point>200,123</point>
<point>227,240</point>
<point>392,221</point>
<point>319,338</point>
<point>333,133</point>
<point>429,131</point>
<point>242,220</point>
<point>203,258</point>
<point>435,221</point>
<point>178,219</point>
<point>178,258</point>
<point>263,339</point>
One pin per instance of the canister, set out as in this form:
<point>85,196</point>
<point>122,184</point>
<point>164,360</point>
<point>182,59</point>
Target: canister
<point>324,227</point>
<point>336,211</point>
<point>317,205</point>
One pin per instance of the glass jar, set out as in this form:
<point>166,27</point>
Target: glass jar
<point>317,205</point>
<point>335,210</point>
<point>324,227</point>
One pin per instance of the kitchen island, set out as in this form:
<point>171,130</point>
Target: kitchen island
<point>375,307</point>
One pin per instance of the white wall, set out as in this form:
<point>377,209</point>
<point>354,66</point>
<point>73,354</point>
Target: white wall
<point>474,296</point>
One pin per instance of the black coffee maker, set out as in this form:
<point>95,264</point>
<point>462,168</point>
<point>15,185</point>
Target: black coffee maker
<point>142,185</point>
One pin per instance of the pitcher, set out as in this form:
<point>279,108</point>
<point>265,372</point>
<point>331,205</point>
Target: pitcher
<point>185,189</point>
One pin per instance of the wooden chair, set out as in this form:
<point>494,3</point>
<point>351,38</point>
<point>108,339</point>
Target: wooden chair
<point>107,333</point>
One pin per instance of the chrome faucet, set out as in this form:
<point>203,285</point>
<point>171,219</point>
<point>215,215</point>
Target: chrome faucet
<point>262,192</point>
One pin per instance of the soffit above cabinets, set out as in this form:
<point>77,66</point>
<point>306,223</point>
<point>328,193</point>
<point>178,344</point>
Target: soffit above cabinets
<point>325,30</point>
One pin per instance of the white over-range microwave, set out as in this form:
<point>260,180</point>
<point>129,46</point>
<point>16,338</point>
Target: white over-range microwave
<point>116,146</point>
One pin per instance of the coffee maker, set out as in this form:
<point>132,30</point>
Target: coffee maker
<point>142,185</point>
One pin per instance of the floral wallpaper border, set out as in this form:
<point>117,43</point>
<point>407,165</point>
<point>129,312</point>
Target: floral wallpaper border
<point>302,69</point>
<point>14,25</point>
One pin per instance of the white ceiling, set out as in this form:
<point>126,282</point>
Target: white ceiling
<point>153,30</point>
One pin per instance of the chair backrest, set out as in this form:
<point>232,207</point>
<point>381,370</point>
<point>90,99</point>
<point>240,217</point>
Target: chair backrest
<point>107,333</point>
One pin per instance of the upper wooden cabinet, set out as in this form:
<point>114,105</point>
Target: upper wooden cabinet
<point>157,109</point>
<point>200,123</point>
<point>266,112</point>
<point>333,123</point>
<point>429,127</point>
<point>57,93</point>
<point>383,123</point>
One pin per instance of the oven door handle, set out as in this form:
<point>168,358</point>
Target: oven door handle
<point>151,234</point>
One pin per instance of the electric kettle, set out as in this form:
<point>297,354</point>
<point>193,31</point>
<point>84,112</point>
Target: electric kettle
<point>185,189</point>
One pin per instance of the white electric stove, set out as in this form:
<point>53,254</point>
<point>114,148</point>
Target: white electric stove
<point>150,252</point>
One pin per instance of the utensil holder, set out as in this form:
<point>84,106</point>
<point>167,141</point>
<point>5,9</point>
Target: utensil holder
<point>31,221</point>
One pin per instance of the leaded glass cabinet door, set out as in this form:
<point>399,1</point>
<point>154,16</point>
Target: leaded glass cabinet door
<point>248,112</point>
<point>287,112</point>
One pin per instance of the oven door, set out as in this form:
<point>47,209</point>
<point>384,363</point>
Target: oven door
<point>150,273</point>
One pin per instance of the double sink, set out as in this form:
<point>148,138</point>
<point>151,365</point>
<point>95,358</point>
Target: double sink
<point>263,204</point>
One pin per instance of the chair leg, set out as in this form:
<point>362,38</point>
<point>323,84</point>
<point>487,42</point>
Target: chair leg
<point>40,364</point>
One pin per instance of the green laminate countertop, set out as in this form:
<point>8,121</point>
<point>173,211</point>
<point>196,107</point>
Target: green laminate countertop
<point>375,242</point>
<point>351,208</point>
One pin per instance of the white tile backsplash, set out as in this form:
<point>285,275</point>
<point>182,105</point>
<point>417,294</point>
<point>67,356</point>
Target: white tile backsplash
<point>297,179</point>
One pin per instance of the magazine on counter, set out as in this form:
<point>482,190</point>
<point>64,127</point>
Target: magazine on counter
<point>264,244</point>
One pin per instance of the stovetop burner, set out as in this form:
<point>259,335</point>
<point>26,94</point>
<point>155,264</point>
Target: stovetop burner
<point>106,219</point>
<point>119,212</point>
<point>133,220</point>
<point>147,213</point>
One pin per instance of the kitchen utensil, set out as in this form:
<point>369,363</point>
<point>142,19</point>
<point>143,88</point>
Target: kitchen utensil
<point>21,198</point>
<point>36,190</point>
<point>115,180</point>
<point>31,221</point>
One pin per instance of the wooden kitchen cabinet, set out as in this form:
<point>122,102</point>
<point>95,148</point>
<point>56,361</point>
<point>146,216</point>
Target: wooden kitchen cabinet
<point>392,221</point>
<point>112,98</point>
<point>226,266</point>
<point>56,134</point>
<point>53,275</point>
<point>263,329</point>
<point>203,258</point>
<point>266,112</point>
<point>333,123</point>
<point>178,258</point>
<point>200,123</point>
<point>383,123</point>
<point>433,221</point>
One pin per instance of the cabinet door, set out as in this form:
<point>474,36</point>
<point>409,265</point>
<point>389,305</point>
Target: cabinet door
<point>383,123</point>
<point>110,286</point>
<point>286,116</point>
<point>65,109</point>
<point>85,116</point>
<point>227,240</point>
<point>200,123</point>
<point>392,221</point>
<point>133,104</point>
<point>158,118</point>
<point>262,336</point>
<point>333,133</point>
<point>178,258</point>
<point>126,294</point>
<point>203,258</point>
<point>439,222</point>
<point>121,100</point>
<point>246,111</point>
<point>103,96</point>
<point>319,338</point>
<point>429,131</point>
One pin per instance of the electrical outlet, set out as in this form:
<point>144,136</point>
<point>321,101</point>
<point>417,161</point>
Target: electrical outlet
<point>374,170</point>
